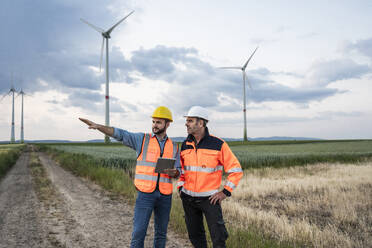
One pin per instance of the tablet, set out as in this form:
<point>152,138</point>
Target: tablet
<point>164,163</point>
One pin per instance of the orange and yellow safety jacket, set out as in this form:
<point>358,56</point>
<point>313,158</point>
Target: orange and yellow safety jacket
<point>145,178</point>
<point>202,166</point>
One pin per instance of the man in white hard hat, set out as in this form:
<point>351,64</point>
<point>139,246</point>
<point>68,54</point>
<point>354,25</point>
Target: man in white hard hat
<point>203,159</point>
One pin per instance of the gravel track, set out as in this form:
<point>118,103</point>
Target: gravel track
<point>20,224</point>
<point>97,220</point>
<point>78,213</point>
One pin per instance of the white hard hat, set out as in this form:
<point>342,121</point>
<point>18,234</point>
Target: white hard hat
<point>197,111</point>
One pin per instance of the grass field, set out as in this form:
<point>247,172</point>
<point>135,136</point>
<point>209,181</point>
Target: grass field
<point>286,197</point>
<point>250,155</point>
<point>322,205</point>
<point>8,156</point>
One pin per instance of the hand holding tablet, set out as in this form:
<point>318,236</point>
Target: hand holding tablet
<point>164,163</point>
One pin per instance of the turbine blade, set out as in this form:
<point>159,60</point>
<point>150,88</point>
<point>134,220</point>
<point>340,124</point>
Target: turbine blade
<point>246,63</point>
<point>246,79</point>
<point>100,61</point>
<point>100,30</point>
<point>112,28</point>
<point>6,94</point>
<point>20,92</point>
<point>232,67</point>
<point>3,96</point>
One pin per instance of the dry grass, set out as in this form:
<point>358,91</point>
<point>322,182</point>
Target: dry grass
<point>323,205</point>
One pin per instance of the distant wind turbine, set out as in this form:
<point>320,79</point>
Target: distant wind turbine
<point>11,91</point>
<point>106,36</point>
<point>244,100</point>
<point>22,134</point>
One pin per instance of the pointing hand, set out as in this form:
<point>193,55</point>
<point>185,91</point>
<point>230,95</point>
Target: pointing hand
<point>91,124</point>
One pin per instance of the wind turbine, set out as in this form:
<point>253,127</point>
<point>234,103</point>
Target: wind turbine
<point>22,134</point>
<point>106,36</point>
<point>244,100</point>
<point>11,91</point>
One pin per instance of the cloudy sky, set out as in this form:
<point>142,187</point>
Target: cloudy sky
<point>311,75</point>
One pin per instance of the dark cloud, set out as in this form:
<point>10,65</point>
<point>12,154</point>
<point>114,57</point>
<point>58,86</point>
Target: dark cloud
<point>48,47</point>
<point>47,41</point>
<point>161,61</point>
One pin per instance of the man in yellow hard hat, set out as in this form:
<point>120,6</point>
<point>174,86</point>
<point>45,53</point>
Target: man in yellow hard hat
<point>154,190</point>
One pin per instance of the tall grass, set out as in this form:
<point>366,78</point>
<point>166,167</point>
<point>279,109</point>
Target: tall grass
<point>117,181</point>
<point>322,205</point>
<point>8,157</point>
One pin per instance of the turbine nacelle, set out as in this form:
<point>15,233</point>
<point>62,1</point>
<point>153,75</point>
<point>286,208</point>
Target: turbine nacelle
<point>106,35</point>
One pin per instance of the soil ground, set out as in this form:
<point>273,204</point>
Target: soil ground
<point>78,213</point>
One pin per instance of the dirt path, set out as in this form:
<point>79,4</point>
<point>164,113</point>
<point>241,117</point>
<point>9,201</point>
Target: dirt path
<point>20,224</point>
<point>76,213</point>
<point>91,217</point>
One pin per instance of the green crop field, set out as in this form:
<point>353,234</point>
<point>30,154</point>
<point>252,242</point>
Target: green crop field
<point>309,171</point>
<point>285,155</point>
<point>251,155</point>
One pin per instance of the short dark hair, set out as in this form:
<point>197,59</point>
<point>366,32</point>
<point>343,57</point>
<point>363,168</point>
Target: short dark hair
<point>201,119</point>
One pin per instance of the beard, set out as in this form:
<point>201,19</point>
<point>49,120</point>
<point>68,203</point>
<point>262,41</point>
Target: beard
<point>158,131</point>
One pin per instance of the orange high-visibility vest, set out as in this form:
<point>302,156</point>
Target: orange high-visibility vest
<point>203,165</point>
<point>146,178</point>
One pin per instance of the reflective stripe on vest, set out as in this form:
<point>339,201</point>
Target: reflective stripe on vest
<point>234,170</point>
<point>146,163</point>
<point>230,184</point>
<point>174,150</point>
<point>199,194</point>
<point>152,178</point>
<point>145,147</point>
<point>205,169</point>
<point>180,183</point>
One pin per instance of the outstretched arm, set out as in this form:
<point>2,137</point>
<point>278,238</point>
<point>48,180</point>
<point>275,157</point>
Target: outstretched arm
<point>104,129</point>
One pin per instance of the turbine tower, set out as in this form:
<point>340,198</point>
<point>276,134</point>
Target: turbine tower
<point>244,97</point>
<point>11,91</point>
<point>106,36</point>
<point>22,134</point>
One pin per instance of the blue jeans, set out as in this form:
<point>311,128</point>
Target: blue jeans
<point>145,204</point>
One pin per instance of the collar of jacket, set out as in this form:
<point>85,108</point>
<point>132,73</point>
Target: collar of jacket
<point>165,137</point>
<point>191,138</point>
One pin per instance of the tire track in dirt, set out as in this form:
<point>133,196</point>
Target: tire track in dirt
<point>95,219</point>
<point>20,224</point>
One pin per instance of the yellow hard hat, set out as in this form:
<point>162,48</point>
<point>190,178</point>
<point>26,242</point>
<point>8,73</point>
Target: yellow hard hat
<point>163,113</point>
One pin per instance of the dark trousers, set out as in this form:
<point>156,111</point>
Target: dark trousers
<point>194,208</point>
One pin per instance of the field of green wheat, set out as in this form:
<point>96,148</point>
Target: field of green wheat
<point>290,195</point>
<point>256,155</point>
